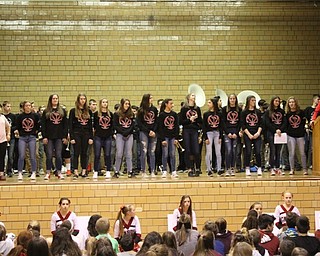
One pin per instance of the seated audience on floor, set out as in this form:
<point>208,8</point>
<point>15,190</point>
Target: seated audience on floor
<point>310,243</point>
<point>22,241</point>
<point>217,244</point>
<point>62,243</point>
<point>6,244</point>
<point>224,235</point>
<point>286,247</point>
<point>186,236</point>
<point>291,219</point>
<point>256,239</point>
<point>170,241</point>
<point>150,239</point>
<point>268,240</point>
<point>38,246</point>
<point>205,244</point>
<point>103,227</point>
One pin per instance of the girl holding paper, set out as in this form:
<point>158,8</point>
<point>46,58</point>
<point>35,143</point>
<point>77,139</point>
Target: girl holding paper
<point>275,124</point>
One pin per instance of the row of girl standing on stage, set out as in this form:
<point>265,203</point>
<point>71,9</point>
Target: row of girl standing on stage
<point>227,125</point>
<point>232,123</point>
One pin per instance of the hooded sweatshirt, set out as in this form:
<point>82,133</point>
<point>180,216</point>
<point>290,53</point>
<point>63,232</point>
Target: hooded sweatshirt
<point>6,246</point>
<point>269,241</point>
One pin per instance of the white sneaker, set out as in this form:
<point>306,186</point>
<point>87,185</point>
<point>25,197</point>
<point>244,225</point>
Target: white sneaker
<point>20,176</point>
<point>145,175</point>
<point>108,175</point>
<point>164,174</point>
<point>228,172</point>
<point>95,175</point>
<point>259,171</point>
<point>248,173</point>
<point>41,172</point>
<point>33,176</point>
<point>291,172</point>
<point>273,173</point>
<point>60,176</point>
<point>47,177</point>
<point>153,175</point>
<point>63,169</point>
<point>232,172</point>
<point>174,175</point>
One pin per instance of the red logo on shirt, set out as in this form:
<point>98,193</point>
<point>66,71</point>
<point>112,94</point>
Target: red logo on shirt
<point>27,124</point>
<point>169,122</point>
<point>125,122</point>
<point>233,117</point>
<point>252,119</point>
<point>104,122</point>
<point>149,117</point>
<point>191,113</point>
<point>295,121</point>
<point>276,118</point>
<point>213,121</point>
<point>55,118</point>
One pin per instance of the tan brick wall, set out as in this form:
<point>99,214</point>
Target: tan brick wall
<point>211,199</point>
<point>125,49</point>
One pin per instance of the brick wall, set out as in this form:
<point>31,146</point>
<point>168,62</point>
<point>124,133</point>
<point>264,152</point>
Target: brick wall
<point>214,198</point>
<point>125,49</point>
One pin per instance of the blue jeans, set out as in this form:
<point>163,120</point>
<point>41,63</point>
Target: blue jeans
<point>124,147</point>
<point>24,142</point>
<point>213,138</point>
<point>231,151</point>
<point>148,146</point>
<point>257,150</point>
<point>170,150</point>
<point>54,145</point>
<point>275,150</point>
<point>292,143</point>
<point>191,143</point>
<point>104,143</point>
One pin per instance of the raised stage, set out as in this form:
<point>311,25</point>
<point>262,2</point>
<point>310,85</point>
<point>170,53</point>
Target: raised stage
<point>154,198</point>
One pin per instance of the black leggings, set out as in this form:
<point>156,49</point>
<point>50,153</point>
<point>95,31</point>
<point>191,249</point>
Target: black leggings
<point>80,149</point>
<point>3,148</point>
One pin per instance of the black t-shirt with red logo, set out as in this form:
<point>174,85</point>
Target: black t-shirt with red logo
<point>27,124</point>
<point>296,124</point>
<point>123,125</point>
<point>82,125</point>
<point>276,121</point>
<point>251,120</point>
<point>212,121</point>
<point>103,125</point>
<point>231,120</point>
<point>55,126</point>
<point>168,125</point>
<point>148,122</point>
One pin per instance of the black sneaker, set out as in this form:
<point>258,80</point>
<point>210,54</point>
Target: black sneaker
<point>131,175</point>
<point>210,173</point>
<point>116,175</point>
<point>198,172</point>
<point>220,172</point>
<point>100,173</point>
<point>192,174</point>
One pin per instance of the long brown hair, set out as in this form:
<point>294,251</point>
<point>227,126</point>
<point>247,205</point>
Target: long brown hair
<point>122,113</point>
<point>271,106</point>
<point>189,211</point>
<point>82,113</point>
<point>124,209</point>
<point>50,108</point>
